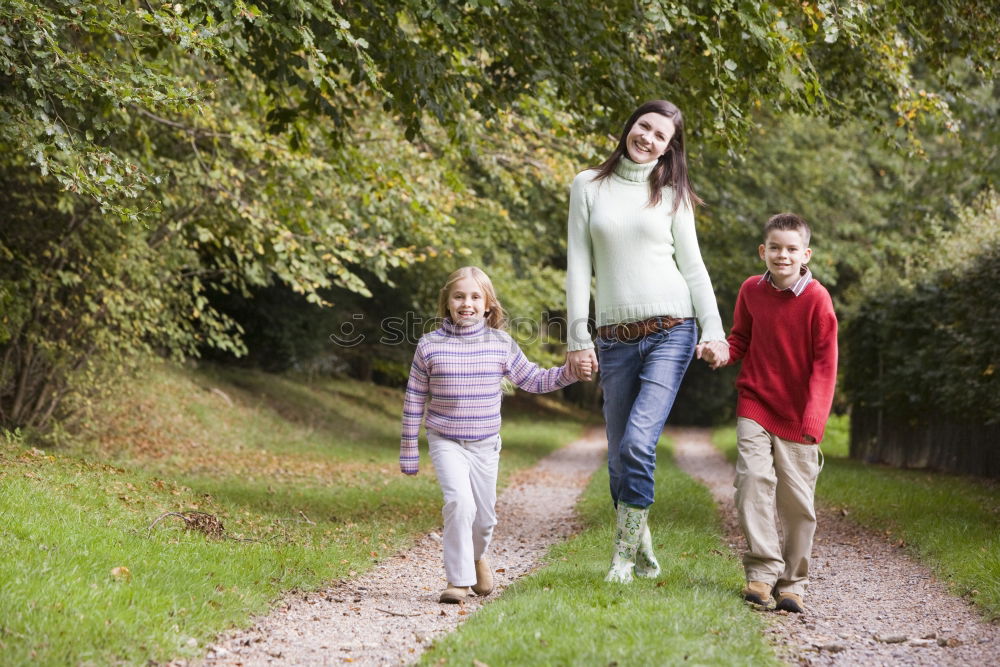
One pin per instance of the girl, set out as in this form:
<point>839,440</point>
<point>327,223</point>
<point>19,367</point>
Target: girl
<point>459,367</point>
<point>631,222</point>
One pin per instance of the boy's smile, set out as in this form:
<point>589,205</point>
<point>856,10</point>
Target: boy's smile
<point>785,254</point>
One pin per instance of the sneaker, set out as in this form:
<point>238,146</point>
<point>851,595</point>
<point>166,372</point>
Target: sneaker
<point>758,593</point>
<point>454,594</point>
<point>791,602</point>
<point>484,578</point>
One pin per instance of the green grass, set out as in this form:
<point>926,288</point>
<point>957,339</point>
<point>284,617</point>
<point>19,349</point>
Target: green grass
<point>304,475</point>
<point>566,615</point>
<point>950,522</point>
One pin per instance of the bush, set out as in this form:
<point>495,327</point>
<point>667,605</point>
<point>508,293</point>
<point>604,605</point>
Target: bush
<point>920,349</point>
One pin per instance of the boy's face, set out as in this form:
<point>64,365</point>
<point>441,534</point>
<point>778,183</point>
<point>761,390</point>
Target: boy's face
<point>784,253</point>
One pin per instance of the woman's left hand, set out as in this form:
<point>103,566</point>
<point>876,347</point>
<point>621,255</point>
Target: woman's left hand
<point>715,352</point>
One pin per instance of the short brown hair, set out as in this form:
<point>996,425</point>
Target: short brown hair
<point>788,222</point>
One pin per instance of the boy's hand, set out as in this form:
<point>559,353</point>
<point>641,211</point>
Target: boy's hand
<point>715,352</point>
<point>704,352</point>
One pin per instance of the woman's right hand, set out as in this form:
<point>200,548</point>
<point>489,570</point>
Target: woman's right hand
<point>582,363</point>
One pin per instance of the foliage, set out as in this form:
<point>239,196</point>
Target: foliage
<point>222,200</point>
<point>943,362</point>
<point>226,146</point>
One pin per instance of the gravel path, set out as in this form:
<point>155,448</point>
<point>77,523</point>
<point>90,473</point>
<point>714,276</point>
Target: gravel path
<point>390,614</point>
<point>868,602</point>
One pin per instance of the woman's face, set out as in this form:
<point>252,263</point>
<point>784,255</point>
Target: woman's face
<point>649,137</point>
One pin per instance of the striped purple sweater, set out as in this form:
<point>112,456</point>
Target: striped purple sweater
<point>460,369</point>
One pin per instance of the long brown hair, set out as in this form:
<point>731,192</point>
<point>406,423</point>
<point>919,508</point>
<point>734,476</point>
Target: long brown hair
<point>495,317</point>
<point>671,167</point>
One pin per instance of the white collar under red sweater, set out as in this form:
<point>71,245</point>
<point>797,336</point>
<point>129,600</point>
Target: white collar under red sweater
<point>797,288</point>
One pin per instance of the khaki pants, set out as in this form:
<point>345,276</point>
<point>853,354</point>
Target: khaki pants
<point>467,472</point>
<point>776,482</point>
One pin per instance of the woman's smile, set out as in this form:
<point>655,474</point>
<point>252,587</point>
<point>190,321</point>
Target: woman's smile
<point>649,137</point>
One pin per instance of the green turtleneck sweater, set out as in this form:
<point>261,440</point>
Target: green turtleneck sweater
<point>647,261</point>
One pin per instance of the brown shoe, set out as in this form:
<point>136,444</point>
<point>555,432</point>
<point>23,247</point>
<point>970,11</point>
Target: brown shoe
<point>791,602</point>
<point>484,578</point>
<point>454,594</point>
<point>758,593</point>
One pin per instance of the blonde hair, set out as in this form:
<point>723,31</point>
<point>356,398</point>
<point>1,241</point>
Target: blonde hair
<point>495,317</point>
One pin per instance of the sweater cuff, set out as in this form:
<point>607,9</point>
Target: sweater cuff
<point>574,346</point>
<point>813,428</point>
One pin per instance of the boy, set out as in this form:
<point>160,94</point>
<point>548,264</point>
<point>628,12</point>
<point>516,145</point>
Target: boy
<point>785,331</point>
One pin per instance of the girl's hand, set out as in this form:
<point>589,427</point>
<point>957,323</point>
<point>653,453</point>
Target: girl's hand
<point>582,363</point>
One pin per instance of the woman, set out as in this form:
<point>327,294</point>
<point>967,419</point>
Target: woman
<point>631,222</point>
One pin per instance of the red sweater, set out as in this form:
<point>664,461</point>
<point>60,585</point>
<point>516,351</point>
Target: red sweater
<point>788,345</point>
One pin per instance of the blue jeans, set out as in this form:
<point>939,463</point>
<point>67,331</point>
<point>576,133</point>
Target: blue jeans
<point>640,380</point>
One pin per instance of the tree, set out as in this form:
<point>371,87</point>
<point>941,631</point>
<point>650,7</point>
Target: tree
<point>153,151</point>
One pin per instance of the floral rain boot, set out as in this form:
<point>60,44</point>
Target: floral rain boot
<point>646,565</point>
<point>630,524</point>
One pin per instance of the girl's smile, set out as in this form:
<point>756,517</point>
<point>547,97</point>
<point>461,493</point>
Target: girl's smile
<point>466,303</point>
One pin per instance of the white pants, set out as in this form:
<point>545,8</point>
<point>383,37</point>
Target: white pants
<point>467,473</point>
<point>776,482</point>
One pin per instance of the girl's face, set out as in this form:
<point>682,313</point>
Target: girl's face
<point>466,302</point>
<point>649,137</point>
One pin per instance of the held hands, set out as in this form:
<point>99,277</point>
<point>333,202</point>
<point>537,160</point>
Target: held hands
<point>582,364</point>
<point>715,352</point>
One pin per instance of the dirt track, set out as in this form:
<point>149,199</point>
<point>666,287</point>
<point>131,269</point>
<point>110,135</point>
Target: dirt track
<point>868,602</point>
<point>390,614</point>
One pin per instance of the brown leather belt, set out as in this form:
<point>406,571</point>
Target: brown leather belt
<point>631,331</point>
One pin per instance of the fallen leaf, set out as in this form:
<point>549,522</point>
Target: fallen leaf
<point>121,573</point>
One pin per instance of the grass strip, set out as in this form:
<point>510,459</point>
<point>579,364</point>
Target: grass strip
<point>566,615</point>
<point>305,473</point>
<point>949,522</point>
